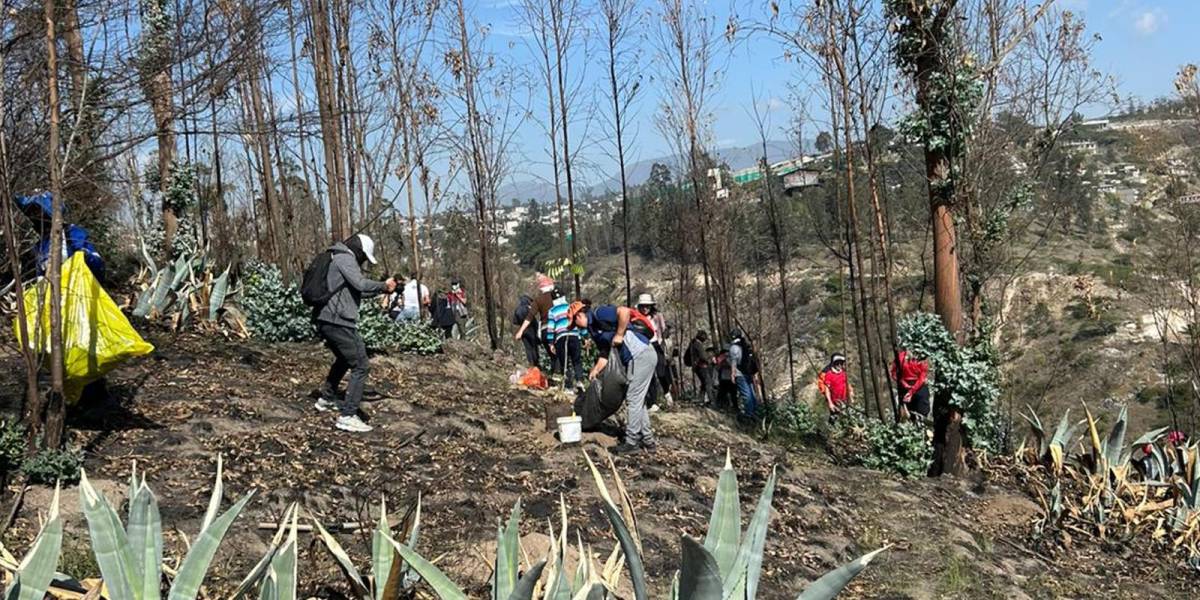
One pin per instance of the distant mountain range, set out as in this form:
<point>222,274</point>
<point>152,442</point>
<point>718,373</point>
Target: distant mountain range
<point>737,157</point>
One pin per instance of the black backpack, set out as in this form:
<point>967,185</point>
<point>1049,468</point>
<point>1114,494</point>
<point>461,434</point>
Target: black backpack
<point>314,287</point>
<point>748,365</point>
<point>522,310</point>
<point>689,356</point>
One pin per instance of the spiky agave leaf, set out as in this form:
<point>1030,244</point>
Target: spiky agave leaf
<point>699,573</point>
<point>1039,432</point>
<point>626,504</point>
<point>725,524</point>
<point>523,590</point>
<point>146,540</point>
<point>1097,450</point>
<point>433,576</point>
<point>832,583</point>
<point>282,575</point>
<point>1114,446</point>
<point>260,569</point>
<point>637,572</point>
<point>33,576</point>
<point>507,566</point>
<point>220,291</point>
<point>343,560</point>
<point>110,544</point>
<point>743,580</point>
<point>382,552</point>
<point>399,576</point>
<point>195,564</point>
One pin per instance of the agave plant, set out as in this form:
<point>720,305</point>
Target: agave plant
<point>276,572</point>
<point>182,289</point>
<point>1052,450</point>
<point>728,564</point>
<point>131,557</point>
<point>32,577</point>
<point>508,583</point>
<point>391,577</point>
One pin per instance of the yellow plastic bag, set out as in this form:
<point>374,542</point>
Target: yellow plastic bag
<point>96,335</point>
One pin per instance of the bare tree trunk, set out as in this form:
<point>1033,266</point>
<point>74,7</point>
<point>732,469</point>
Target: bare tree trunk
<point>480,174</point>
<point>253,92</point>
<point>288,259</point>
<point>55,416</point>
<point>301,128</point>
<point>837,58</point>
<point>31,402</point>
<point>76,62</point>
<point>412,211</point>
<point>335,175</point>
<point>562,39</point>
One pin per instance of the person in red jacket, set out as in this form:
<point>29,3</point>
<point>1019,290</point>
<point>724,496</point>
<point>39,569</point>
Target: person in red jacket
<point>911,372</point>
<point>835,386</point>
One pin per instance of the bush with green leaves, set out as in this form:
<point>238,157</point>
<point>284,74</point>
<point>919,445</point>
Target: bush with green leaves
<point>50,466</point>
<point>274,310</point>
<point>900,448</point>
<point>12,446</point>
<point>968,375</point>
<point>791,421</point>
<point>382,333</point>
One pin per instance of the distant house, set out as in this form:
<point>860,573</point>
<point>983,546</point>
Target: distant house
<point>1096,124</point>
<point>1082,146</point>
<point>801,178</point>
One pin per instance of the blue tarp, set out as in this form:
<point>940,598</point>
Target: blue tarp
<point>39,208</point>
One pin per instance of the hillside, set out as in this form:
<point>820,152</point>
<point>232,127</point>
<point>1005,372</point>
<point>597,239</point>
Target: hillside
<point>451,429</point>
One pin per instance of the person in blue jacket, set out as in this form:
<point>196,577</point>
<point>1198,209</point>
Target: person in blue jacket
<point>624,334</point>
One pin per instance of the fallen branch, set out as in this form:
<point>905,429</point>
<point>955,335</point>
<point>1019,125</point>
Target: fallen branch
<point>16,508</point>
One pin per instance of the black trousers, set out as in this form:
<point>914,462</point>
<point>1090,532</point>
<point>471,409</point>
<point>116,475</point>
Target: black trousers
<point>708,391</point>
<point>567,359</point>
<point>350,355</point>
<point>532,344</point>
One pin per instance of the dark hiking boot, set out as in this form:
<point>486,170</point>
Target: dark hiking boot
<point>650,447</point>
<point>624,448</point>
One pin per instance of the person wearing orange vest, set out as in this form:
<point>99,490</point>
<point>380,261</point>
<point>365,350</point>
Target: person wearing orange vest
<point>835,386</point>
<point>911,374</point>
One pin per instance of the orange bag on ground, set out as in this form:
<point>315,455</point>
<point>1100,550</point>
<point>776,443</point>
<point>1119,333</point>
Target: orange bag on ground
<point>534,379</point>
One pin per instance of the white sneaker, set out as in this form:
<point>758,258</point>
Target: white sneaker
<point>654,408</point>
<point>353,424</point>
<point>325,405</point>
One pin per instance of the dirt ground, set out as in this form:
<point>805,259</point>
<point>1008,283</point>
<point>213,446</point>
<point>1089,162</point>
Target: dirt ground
<point>450,428</point>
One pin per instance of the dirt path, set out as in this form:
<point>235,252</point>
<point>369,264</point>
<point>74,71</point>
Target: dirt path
<point>452,429</point>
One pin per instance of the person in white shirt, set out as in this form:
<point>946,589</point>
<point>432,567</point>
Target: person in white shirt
<point>409,302</point>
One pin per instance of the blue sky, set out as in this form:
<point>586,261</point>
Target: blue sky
<point>1143,42</point>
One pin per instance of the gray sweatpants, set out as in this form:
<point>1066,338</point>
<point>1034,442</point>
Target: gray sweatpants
<point>640,372</point>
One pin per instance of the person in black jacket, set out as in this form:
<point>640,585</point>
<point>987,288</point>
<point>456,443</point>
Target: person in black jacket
<point>444,317</point>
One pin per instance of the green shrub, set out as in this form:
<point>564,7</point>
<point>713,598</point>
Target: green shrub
<point>901,448</point>
<point>50,466</point>
<point>381,333</point>
<point>847,442</point>
<point>967,375</point>
<point>792,421</point>
<point>274,310</point>
<point>12,446</point>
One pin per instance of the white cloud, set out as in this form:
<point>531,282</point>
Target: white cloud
<point>1149,22</point>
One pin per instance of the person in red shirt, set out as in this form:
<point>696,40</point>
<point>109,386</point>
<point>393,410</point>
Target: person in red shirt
<point>911,372</point>
<point>835,386</point>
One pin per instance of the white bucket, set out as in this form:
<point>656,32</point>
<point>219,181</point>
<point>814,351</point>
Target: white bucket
<point>570,429</point>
